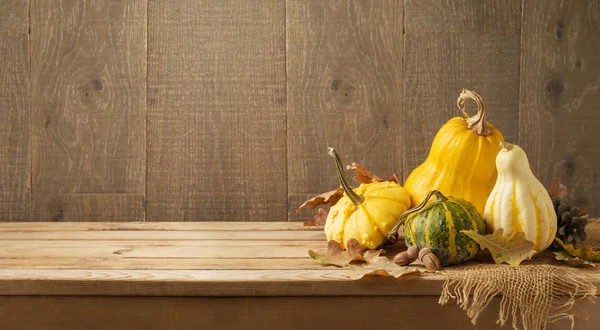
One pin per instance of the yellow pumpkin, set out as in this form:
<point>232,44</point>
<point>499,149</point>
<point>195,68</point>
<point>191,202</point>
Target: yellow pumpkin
<point>461,162</point>
<point>366,213</point>
<point>519,202</point>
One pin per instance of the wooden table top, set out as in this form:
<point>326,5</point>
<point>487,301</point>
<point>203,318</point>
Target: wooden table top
<point>181,259</point>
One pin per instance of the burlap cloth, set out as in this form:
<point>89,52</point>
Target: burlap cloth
<point>537,292</point>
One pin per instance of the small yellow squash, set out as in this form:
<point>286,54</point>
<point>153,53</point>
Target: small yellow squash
<point>366,213</point>
<point>519,202</point>
<point>461,159</point>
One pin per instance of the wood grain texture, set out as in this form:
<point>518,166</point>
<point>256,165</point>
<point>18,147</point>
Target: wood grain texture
<point>560,94</point>
<point>152,235</point>
<point>14,110</point>
<point>206,260</point>
<point>159,248</point>
<point>344,87</point>
<point>462,16</point>
<point>210,283</point>
<point>163,226</point>
<point>88,96</point>
<point>439,64</point>
<point>83,207</point>
<point>216,111</point>
<point>251,313</point>
<point>107,263</point>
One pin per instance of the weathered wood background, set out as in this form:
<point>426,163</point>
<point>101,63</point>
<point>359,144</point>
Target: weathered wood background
<point>147,110</point>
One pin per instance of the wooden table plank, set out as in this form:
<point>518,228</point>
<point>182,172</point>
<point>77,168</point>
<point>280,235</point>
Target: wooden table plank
<point>149,226</point>
<point>332,313</point>
<point>210,283</point>
<point>244,235</point>
<point>165,259</point>
<point>154,249</point>
<point>116,263</point>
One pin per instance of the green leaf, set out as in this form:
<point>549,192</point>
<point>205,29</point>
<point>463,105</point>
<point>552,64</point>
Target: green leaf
<point>585,253</point>
<point>511,250</point>
<point>573,261</point>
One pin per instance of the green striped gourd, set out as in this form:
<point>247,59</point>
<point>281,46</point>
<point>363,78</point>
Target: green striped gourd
<point>438,224</point>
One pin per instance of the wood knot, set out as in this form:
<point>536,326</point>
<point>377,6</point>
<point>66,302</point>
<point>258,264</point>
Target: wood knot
<point>96,84</point>
<point>558,29</point>
<point>385,122</point>
<point>59,216</point>
<point>335,85</point>
<point>555,87</point>
<point>342,91</point>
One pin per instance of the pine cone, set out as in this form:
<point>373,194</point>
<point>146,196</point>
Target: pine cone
<point>571,222</point>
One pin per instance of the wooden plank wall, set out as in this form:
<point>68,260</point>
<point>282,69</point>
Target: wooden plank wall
<point>149,110</point>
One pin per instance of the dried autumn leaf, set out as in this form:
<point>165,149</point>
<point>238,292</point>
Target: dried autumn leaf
<point>557,190</point>
<point>330,197</point>
<point>319,219</point>
<point>382,266</point>
<point>585,252</point>
<point>365,176</point>
<point>512,249</point>
<point>335,255</point>
<point>573,261</point>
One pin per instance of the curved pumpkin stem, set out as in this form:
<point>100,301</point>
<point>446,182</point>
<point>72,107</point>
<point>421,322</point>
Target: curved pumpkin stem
<point>354,197</point>
<point>392,235</point>
<point>477,122</point>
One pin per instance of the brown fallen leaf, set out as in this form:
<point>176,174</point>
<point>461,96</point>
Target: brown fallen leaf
<point>557,190</point>
<point>585,252</point>
<point>573,261</point>
<point>330,197</point>
<point>382,266</point>
<point>394,179</point>
<point>512,249</point>
<point>319,219</point>
<point>335,255</point>
<point>365,176</point>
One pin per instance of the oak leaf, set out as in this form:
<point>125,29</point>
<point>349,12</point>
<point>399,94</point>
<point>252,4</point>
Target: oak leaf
<point>319,219</point>
<point>557,190</point>
<point>512,249</point>
<point>584,252</point>
<point>382,266</point>
<point>365,176</point>
<point>573,261</point>
<point>335,255</point>
<point>330,197</point>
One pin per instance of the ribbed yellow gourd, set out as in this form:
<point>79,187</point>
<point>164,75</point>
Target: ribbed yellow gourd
<point>461,162</point>
<point>519,202</point>
<point>366,213</point>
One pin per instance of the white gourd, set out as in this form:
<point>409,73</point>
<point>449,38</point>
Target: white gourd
<point>519,201</point>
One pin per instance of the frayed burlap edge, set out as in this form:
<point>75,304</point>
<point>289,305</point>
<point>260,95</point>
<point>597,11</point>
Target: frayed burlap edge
<point>538,292</point>
<point>531,295</point>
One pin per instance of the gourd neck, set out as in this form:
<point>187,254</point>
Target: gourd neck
<point>506,146</point>
<point>439,197</point>
<point>512,161</point>
<point>354,197</point>
<point>476,123</point>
